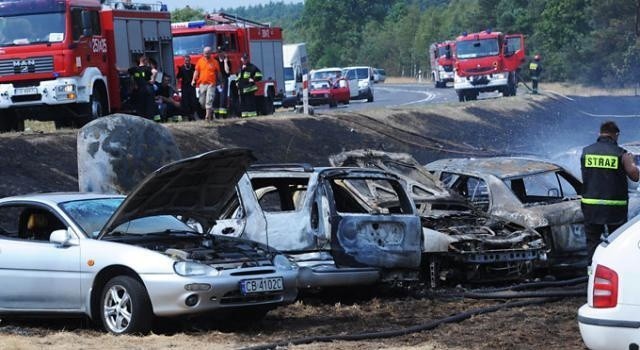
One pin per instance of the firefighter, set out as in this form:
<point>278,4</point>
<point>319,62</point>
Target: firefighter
<point>535,68</point>
<point>220,101</point>
<point>189,101</point>
<point>143,93</point>
<point>605,168</point>
<point>247,78</point>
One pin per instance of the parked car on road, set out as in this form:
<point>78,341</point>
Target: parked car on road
<point>379,75</point>
<point>460,242</point>
<point>531,192</point>
<point>318,217</point>
<point>611,317</point>
<point>327,91</point>
<point>360,82</point>
<point>123,260</point>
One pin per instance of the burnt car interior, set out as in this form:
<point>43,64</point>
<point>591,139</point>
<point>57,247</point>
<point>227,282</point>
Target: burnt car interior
<point>366,196</point>
<point>280,194</point>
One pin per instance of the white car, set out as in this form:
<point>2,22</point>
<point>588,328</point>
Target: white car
<point>611,317</point>
<point>124,260</point>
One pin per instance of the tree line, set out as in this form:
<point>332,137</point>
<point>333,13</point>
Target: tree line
<point>592,42</point>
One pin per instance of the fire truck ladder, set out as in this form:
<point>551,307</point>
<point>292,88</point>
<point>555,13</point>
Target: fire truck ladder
<point>225,18</point>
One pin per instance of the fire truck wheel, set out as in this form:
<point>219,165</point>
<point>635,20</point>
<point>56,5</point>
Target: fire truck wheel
<point>97,104</point>
<point>10,121</point>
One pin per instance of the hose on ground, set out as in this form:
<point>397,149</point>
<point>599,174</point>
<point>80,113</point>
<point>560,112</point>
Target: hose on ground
<point>577,292</point>
<point>532,285</point>
<point>404,331</point>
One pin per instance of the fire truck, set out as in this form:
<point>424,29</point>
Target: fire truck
<point>487,61</point>
<point>64,60</point>
<point>442,62</point>
<point>236,36</point>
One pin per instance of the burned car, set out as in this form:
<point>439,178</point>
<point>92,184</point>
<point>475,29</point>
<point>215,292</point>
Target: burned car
<point>123,260</point>
<point>460,243</point>
<point>316,216</point>
<point>532,192</point>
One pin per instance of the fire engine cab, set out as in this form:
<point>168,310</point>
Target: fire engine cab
<point>442,60</point>
<point>236,36</point>
<point>487,61</point>
<point>66,60</point>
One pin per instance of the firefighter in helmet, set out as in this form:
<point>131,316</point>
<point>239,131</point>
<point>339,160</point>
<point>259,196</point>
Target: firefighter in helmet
<point>605,168</point>
<point>247,78</point>
<point>535,68</point>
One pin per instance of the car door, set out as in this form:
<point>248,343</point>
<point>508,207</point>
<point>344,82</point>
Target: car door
<point>352,79</point>
<point>242,217</point>
<point>341,91</point>
<point>514,54</point>
<point>373,222</point>
<point>34,273</point>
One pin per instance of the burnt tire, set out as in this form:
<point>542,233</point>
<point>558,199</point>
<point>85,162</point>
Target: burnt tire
<point>125,307</point>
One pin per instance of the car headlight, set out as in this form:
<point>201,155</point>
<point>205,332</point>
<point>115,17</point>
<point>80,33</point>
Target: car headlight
<point>281,262</point>
<point>190,268</point>
<point>500,76</point>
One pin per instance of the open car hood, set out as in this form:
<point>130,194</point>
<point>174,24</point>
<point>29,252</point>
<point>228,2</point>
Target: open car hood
<point>421,185</point>
<point>195,188</point>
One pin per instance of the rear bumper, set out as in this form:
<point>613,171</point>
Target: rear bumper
<point>603,328</point>
<point>332,276</point>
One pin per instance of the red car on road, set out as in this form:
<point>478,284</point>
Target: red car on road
<point>326,91</point>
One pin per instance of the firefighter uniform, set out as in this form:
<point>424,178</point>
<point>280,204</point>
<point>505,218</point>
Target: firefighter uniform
<point>222,91</point>
<point>604,195</point>
<point>535,68</point>
<point>143,96</point>
<point>249,75</point>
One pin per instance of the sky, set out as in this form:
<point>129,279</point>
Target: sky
<point>217,4</point>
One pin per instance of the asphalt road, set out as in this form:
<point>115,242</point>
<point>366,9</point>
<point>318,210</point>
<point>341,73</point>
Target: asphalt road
<point>403,95</point>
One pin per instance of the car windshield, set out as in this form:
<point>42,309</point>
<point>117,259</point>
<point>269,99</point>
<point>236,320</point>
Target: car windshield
<point>192,44</point>
<point>92,214</point>
<point>33,28</point>
<point>330,74</point>
<point>477,48</point>
<point>319,84</point>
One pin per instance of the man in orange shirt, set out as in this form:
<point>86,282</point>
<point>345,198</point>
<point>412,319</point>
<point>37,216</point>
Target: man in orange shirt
<point>207,76</point>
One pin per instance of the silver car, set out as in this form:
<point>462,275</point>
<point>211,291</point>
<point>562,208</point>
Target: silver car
<point>123,260</point>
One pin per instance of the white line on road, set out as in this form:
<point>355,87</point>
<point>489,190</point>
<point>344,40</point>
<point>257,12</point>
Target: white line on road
<point>429,96</point>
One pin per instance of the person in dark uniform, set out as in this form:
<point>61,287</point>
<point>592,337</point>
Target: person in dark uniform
<point>247,78</point>
<point>222,90</point>
<point>189,102</point>
<point>605,168</point>
<point>143,93</point>
<point>535,68</point>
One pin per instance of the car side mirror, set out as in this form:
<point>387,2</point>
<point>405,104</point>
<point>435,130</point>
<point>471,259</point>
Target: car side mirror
<point>63,238</point>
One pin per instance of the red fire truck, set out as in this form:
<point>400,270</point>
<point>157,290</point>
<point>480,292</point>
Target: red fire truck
<point>442,61</point>
<point>237,36</point>
<point>487,61</point>
<point>63,60</point>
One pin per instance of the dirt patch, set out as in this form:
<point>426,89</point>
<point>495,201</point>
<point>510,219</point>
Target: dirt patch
<point>37,162</point>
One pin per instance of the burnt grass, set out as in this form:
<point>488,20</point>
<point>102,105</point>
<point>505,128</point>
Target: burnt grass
<point>540,125</point>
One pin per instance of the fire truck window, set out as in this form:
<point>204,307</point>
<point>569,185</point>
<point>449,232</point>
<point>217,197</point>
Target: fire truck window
<point>96,28</point>
<point>76,24</point>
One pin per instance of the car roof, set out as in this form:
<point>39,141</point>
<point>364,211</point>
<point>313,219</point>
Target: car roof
<point>357,67</point>
<point>334,69</point>
<point>55,198</point>
<point>502,167</point>
<point>270,169</point>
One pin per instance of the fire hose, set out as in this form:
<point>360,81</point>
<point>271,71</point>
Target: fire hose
<point>535,298</point>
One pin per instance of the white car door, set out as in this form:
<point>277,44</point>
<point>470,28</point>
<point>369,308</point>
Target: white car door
<point>36,274</point>
<point>352,78</point>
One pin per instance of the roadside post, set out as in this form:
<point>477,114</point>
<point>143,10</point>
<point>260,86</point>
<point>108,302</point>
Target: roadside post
<point>305,93</point>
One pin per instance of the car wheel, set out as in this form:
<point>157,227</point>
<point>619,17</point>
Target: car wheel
<point>370,97</point>
<point>461,96</point>
<point>125,306</point>
<point>333,103</point>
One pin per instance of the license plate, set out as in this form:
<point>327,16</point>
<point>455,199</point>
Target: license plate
<point>261,285</point>
<point>26,91</point>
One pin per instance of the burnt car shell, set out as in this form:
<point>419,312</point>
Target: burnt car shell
<point>558,218</point>
<point>461,242</point>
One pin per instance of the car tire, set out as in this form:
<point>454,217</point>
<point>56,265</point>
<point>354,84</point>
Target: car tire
<point>370,97</point>
<point>333,103</point>
<point>125,307</point>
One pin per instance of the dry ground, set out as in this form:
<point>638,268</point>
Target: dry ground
<point>46,161</point>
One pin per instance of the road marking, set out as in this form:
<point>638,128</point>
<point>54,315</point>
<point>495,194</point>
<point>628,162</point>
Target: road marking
<point>429,96</point>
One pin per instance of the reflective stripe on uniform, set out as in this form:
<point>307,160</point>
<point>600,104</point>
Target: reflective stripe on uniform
<point>248,114</point>
<point>595,201</point>
<point>246,75</point>
<point>249,89</point>
<point>258,75</point>
<point>533,66</point>
<point>600,161</point>
<point>220,111</point>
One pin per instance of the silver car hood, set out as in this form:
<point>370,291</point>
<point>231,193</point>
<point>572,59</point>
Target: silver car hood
<point>195,187</point>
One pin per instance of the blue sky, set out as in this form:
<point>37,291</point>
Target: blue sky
<point>216,4</point>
